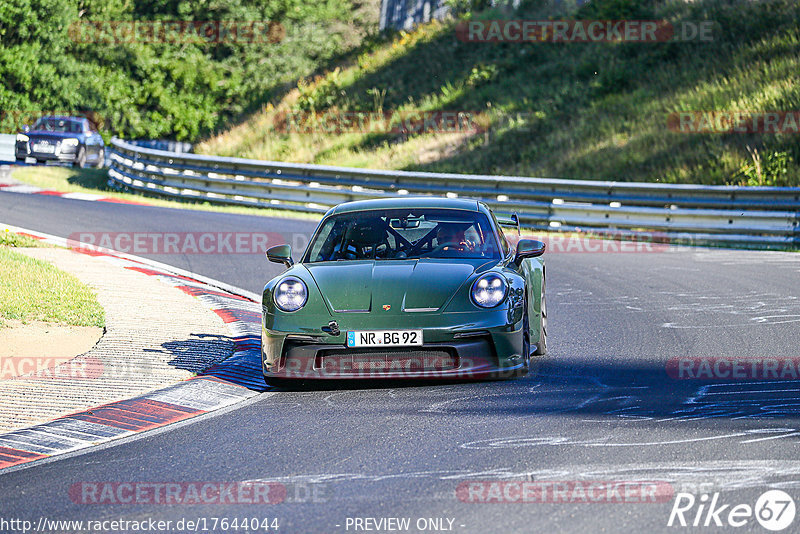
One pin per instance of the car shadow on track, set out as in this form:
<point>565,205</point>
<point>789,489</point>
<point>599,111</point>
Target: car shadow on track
<point>603,388</point>
<point>610,390</point>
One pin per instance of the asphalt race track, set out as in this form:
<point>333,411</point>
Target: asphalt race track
<point>603,405</point>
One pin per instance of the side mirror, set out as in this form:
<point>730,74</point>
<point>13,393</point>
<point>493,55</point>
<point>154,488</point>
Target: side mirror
<point>26,128</point>
<point>528,248</point>
<point>280,254</point>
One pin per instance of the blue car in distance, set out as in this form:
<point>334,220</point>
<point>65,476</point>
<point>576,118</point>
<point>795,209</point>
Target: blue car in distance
<point>61,139</point>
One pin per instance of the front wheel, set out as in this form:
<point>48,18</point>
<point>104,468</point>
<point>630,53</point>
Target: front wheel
<point>284,383</point>
<point>541,346</point>
<point>80,159</point>
<point>526,340</point>
<point>101,159</point>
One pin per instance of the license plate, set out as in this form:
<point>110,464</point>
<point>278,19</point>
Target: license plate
<point>384,338</point>
<point>44,149</point>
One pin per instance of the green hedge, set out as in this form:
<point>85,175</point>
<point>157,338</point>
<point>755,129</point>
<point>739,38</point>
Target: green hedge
<point>136,88</point>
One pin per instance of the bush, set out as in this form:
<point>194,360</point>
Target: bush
<point>156,89</point>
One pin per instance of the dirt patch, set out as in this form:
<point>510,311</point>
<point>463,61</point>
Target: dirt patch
<point>36,346</point>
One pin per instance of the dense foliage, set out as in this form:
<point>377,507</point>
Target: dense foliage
<point>568,110</point>
<point>152,88</point>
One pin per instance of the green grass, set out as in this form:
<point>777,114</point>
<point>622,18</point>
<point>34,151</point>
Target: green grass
<point>34,290</point>
<point>10,239</point>
<point>582,111</point>
<point>95,181</point>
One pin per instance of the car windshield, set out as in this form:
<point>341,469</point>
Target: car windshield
<point>404,234</point>
<point>50,124</point>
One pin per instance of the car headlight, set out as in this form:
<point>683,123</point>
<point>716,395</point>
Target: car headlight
<point>290,294</point>
<point>22,138</point>
<point>70,141</point>
<point>489,290</point>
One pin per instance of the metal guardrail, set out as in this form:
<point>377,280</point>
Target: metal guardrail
<point>405,14</point>
<point>7,147</point>
<point>745,216</point>
<point>163,144</point>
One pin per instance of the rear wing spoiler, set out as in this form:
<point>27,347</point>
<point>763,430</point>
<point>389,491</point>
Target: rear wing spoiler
<point>512,222</point>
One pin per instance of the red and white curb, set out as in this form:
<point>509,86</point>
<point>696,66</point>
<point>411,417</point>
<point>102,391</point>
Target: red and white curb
<point>234,380</point>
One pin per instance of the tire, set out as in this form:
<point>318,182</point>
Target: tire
<point>101,159</point>
<point>274,382</point>
<point>80,159</point>
<point>284,383</point>
<point>541,347</point>
<point>526,339</point>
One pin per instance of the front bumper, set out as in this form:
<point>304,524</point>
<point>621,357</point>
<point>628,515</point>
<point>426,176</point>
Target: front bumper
<point>65,154</point>
<point>466,351</point>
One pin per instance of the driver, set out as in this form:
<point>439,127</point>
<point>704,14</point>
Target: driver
<point>452,236</point>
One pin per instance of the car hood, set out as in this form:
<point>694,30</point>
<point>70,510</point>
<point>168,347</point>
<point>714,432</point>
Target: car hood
<point>404,285</point>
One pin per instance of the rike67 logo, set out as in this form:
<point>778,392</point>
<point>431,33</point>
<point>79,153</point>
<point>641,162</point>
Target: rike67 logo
<point>774,510</point>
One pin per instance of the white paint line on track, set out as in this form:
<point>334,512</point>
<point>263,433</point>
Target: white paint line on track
<point>27,189</point>
<point>771,438</point>
<point>684,476</point>
<point>82,196</point>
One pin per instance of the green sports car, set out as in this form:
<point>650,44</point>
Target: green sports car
<point>405,288</point>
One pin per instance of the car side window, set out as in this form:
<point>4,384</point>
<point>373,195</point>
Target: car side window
<point>503,239</point>
<point>323,248</point>
<point>504,242</point>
